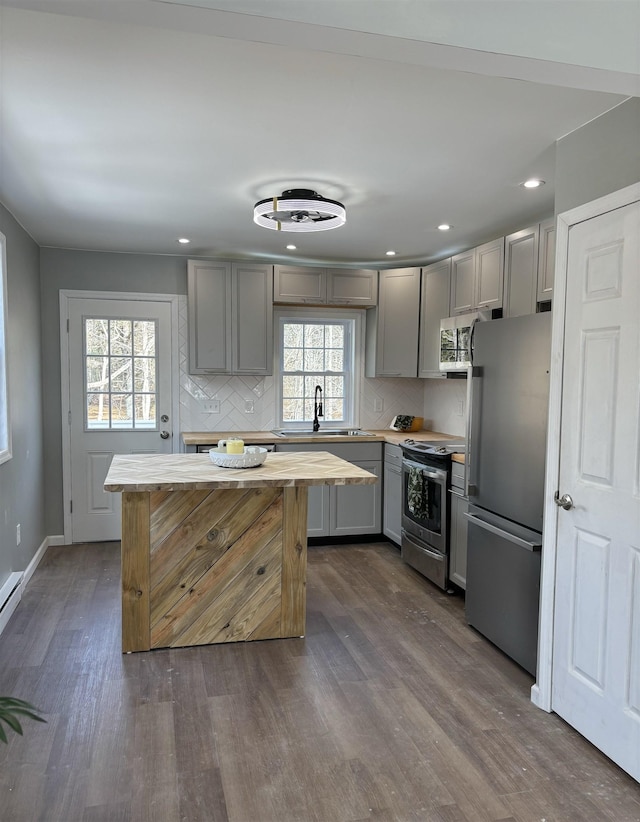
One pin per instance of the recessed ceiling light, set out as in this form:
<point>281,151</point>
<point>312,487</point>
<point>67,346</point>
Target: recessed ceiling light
<point>292,247</point>
<point>533,183</point>
<point>391,253</point>
<point>183,240</point>
<point>444,227</point>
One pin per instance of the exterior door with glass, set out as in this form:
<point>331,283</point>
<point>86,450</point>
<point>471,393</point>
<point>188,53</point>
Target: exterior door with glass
<point>119,360</point>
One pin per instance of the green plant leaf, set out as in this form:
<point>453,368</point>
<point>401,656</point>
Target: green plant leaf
<point>10,709</point>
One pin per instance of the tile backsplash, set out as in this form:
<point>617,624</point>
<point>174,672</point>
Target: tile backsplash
<point>380,399</point>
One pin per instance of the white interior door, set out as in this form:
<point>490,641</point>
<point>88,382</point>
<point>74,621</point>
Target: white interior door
<point>119,360</point>
<point>596,640</point>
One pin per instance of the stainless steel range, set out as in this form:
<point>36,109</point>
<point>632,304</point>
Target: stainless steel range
<point>426,480</point>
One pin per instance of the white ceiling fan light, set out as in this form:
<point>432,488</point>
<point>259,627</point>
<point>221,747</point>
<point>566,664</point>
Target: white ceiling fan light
<point>299,209</point>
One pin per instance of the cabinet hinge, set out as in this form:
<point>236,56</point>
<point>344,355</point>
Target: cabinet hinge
<point>71,506</point>
<point>69,417</point>
<point>67,326</point>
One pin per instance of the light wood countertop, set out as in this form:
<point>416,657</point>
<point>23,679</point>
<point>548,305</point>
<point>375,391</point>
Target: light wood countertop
<point>195,438</point>
<point>185,472</point>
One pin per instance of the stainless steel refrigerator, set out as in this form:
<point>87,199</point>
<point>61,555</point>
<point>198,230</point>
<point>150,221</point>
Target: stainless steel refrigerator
<point>509,397</point>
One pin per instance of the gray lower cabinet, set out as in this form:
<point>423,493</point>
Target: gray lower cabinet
<point>344,510</point>
<point>392,505</point>
<point>458,541</point>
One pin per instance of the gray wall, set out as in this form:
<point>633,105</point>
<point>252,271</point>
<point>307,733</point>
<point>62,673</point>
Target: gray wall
<point>21,478</point>
<point>599,158</point>
<point>90,271</point>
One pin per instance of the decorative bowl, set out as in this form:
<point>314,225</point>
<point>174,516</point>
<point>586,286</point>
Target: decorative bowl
<point>250,459</point>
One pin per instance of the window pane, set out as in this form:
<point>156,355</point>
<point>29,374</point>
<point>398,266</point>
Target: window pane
<point>310,384</point>
<point>121,333</point>
<point>145,407</point>
<point>334,409</point>
<point>121,411</point>
<point>314,359</point>
<point>121,374</point>
<point>292,410</point>
<point>292,386</point>
<point>314,336</point>
<point>96,336</point>
<point>144,338</point>
<point>97,373</point>
<point>334,386</point>
<point>293,335</point>
<point>335,336</point>
<point>293,359</point>
<point>145,374</point>
<point>309,409</point>
<point>334,360</point>
<point>97,411</point>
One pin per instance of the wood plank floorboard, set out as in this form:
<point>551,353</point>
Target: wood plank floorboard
<point>391,709</point>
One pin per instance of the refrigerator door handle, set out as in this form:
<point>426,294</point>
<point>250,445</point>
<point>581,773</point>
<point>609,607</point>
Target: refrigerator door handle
<point>521,543</point>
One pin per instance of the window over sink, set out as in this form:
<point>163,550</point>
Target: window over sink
<point>317,348</point>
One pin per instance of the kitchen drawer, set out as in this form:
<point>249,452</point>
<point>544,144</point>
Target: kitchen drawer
<point>393,455</point>
<point>457,475</point>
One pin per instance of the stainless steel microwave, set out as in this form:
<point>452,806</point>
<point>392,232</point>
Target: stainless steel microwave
<point>456,340</point>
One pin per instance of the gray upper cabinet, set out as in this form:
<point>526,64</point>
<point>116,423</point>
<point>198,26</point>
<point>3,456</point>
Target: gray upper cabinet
<point>521,285</point>
<point>477,278</point>
<point>325,286</point>
<point>393,326</point>
<point>463,282</point>
<point>546,260</point>
<point>434,306</point>
<point>489,274</point>
<point>230,318</point>
<point>298,284</point>
<point>352,286</point>
<point>251,318</point>
<point>209,307</point>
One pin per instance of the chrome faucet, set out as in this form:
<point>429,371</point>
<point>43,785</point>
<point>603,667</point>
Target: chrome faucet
<point>317,408</point>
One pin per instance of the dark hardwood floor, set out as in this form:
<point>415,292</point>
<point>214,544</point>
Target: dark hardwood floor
<point>391,709</point>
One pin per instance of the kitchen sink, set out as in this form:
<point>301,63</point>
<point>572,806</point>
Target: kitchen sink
<point>323,432</point>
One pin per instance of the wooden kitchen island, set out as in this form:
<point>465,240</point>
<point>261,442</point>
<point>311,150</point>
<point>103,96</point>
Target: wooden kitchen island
<point>212,554</point>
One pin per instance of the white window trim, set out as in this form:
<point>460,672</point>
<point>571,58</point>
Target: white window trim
<point>353,408</point>
<point>5,416</point>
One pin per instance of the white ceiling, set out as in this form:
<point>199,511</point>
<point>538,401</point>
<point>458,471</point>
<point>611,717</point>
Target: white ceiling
<point>125,125</point>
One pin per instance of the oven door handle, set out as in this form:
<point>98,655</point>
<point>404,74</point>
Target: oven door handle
<point>474,519</point>
<point>439,476</point>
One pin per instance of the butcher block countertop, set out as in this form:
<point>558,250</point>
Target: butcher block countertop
<point>189,472</point>
<point>195,438</point>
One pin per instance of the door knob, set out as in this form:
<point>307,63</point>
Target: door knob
<point>563,501</point>
<point>164,435</point>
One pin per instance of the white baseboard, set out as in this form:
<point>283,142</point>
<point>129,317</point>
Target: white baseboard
<point>35,561</point>
<point>11,591</point>
<point>10,594</point>
<point>57,540</point>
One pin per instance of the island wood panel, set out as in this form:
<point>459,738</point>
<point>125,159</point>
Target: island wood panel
<point>211,596</point>
<point>222,566</point>
<point>294,562</point>
<point>135,572</point>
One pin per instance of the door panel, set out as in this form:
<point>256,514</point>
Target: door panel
<point>597,612</point>
<point>119,366</point>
